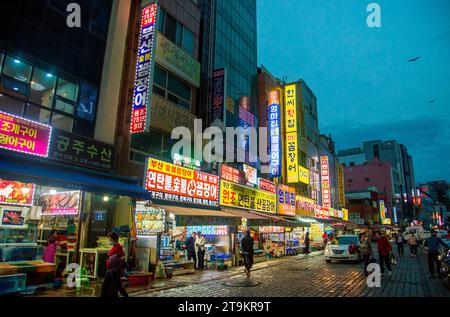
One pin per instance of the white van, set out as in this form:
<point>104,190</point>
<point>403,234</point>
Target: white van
<point>418,231</point>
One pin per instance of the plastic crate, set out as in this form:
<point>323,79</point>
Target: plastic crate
<point>10,284</point>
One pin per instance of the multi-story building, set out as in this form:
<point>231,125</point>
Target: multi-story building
<point>376,175</point>
<point>402,170</point>
<point>57,131</point>
<point>432,201</point>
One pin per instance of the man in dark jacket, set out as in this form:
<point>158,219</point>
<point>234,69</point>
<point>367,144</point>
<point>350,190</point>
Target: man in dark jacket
<point>190,247</point>
<point>432,246</point>
<point>247,251</point>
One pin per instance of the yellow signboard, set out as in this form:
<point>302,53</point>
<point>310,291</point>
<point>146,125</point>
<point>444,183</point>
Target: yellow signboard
<point>303,175</point>
<point>345,211</point>
<point>305,206</point>
<point>292,157</point>
<point>239,196</point>
<point>387,221</point>
<point>382,210</point>
<point>290,108</point>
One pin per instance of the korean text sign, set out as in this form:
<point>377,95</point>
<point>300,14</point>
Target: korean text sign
<point>267,185</point>
<point>218,95</point>
<point>341,185</point>
<point>142,84</point>
<point>292,157</point>
<point>290,108</point>
<point>231,174</point>
<point>274,116</point>
<point>22,135</point>
<point>81,151</point>
<point>326,193</point>
<point>305,206</point>
<point>178,184</point>
<point>286,200</point>
<point>239,196</point>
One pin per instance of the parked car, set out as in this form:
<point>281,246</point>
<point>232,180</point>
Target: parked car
<point>339,249</point>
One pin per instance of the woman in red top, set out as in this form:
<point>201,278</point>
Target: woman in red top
<point>384,251</point>
<point>115,264</point>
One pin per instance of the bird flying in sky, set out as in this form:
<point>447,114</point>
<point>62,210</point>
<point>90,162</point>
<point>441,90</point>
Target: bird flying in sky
<point>414,59</point>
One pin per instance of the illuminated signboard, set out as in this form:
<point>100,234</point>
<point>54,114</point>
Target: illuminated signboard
<point>207,230</point>
<point>266,185</point>
<point>387,221</point>
<point>275,133</point>
<point>218,111</point>
<point>251,175</point>
<point>321,212</point>
<point>149,221</point>
<point>286,200</point>
<point>345,214</point>
<point>326,192</point>
<point>305,206</point>
<point>231,174</point>
<point>382,210</point>
<point>341,185</point>
<point>186,161</point>
<point>291,133</point>
<point>143,85</point>
<point>234,195</point>
<point>394,210</point>
<point>13,217</point>
<point>178,184</point>
<point>23,135</point>
<point>303,175</point>
<point>271,229</point>
<point>60,203</point>
<point>16,193</point>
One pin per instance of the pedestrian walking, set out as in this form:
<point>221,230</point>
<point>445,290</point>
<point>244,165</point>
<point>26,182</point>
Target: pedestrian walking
<point>247,251</point>
<point>413,244</point>
<point>366,251</point>
<point>384,252</point>
<point>115,264</point>
<point>400,241</point>
<point>307,241</point>
<point>432,244</point>
<point>200,248</point>
<point>190,247</point>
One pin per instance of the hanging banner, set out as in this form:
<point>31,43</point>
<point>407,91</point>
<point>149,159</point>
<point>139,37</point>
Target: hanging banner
<point>238,196</point>
<point>326,192</point>
<point>382,210</point>
<point>170,182</point>
<point>23,135</point>
<point>274,116</point>
<point>286,200</point>
<point>142,92</point>
<point>292,157</point>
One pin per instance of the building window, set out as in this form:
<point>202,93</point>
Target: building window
<point>67,89</point>
<point>11,105</point>
<point>88,102</point>
<point>171,88</point>
<point>2,55</point>
<point>37,113</point>
<point>367,179</point>
<point>62,122</point>
<point>188,41</point>
<point>170,28</point>
<point>17,69</point>
<point>42,87</point>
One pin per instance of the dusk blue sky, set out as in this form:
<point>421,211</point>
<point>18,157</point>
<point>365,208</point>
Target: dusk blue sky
<point>365,87</point>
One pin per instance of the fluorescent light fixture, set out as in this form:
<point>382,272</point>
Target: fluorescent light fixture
<point>16,61</point>
<point>49,75</point>
<point>16,89</point>
<point>105,198</point>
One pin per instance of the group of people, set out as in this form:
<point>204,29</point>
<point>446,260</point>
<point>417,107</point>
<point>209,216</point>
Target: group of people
<point>386,256</point>
<point>196,247</point>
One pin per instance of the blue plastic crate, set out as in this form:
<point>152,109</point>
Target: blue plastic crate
<point>14,283</point>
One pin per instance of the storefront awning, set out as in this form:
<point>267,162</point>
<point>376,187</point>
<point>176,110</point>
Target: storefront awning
<point>183,211</point>
<point>242,213</point>
<point>49,173</point>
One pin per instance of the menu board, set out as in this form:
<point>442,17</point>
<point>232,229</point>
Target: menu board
<point>16,193</point>
<point>178,184</point>
<point>60,203</point>
<point>149,221</point>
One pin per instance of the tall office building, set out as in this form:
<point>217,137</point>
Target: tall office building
<point>229,42</point>
<point>402,170</point>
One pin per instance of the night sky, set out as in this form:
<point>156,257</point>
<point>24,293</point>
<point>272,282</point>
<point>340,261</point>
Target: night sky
<point>365,86</point>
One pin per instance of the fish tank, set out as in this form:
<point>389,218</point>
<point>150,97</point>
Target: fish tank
<point>10,235</point>
<point>19,244</point>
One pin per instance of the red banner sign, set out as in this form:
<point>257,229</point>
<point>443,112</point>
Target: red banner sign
<point>266,185</point>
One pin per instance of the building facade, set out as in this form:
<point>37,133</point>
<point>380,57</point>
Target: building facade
<point>402,170</point>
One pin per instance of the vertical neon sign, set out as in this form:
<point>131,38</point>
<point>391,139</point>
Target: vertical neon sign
<point>142,85</point>
<point>274,133</point>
